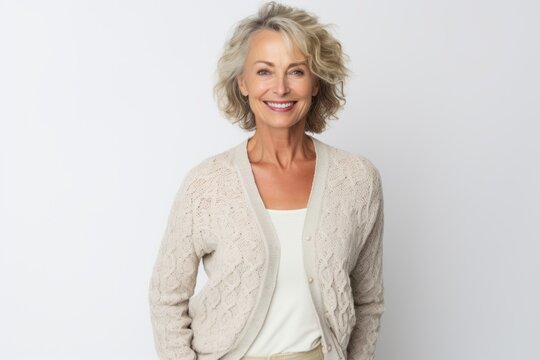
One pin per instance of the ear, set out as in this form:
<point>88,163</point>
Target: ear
<point>242,85</point>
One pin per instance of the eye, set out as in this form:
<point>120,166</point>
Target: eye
<point>298,72</point>
<point>262,72</point>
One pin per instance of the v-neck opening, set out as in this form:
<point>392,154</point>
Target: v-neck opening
<point>246,162</point>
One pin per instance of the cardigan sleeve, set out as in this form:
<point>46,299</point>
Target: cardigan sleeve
<point>367,280</point>
<point>173,280</point>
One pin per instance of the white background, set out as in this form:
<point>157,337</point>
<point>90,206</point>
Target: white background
<point>104,106</point>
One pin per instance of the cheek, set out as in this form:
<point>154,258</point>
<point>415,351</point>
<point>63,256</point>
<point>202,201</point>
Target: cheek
<point>257,88</point>
<point>305,89</point>
<point>263,87</point>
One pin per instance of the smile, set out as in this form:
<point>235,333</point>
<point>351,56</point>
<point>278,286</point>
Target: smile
<point>280,106</point>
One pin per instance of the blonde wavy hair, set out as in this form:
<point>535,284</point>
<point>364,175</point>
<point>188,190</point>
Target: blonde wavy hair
<point>325,59</point>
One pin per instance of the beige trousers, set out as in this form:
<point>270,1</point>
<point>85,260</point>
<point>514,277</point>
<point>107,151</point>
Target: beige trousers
<point>313,354</point>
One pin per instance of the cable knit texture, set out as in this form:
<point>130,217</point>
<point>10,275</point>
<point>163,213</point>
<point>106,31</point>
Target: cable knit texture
<point>216,217</point>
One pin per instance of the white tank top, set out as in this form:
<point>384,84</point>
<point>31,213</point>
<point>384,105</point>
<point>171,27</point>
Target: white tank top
<point>291,323</point>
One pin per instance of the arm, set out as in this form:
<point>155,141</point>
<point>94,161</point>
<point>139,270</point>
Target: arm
<point>173,281</point>
<point>367,280</point>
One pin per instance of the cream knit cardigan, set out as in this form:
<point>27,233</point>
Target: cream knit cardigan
<point>218,216</point>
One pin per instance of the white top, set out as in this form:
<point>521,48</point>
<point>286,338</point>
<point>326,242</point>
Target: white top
<point>291,324</point>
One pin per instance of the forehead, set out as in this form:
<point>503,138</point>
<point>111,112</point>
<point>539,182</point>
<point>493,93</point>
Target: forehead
<point>269,44</point>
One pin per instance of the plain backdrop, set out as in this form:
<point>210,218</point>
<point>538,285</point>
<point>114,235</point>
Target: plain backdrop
<point>105,105</point>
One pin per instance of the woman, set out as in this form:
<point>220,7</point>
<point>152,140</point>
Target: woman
<point>289,228</point>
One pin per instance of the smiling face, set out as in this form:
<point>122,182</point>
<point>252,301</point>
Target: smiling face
<point>278,84</point>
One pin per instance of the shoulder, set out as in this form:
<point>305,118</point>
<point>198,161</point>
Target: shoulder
<point>357,165</point>
<point>207,171</point>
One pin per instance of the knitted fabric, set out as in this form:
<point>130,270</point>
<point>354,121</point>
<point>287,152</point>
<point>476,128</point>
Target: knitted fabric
<point>217,217</point>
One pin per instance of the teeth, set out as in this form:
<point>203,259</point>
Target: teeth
<point>281,106</point>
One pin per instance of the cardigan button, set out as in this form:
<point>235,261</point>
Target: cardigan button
<point>310,279</point>
<point>308,238</point>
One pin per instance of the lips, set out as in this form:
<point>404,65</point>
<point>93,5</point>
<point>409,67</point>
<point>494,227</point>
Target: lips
<point>280,106</point>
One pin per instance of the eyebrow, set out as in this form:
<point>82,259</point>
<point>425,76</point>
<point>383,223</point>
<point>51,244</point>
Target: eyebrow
<point>272,64</point>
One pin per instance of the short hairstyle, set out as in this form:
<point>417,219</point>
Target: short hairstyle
<point>325,60</point>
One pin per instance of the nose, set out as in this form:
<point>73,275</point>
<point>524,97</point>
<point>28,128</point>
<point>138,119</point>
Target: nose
<point>281,87</point>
